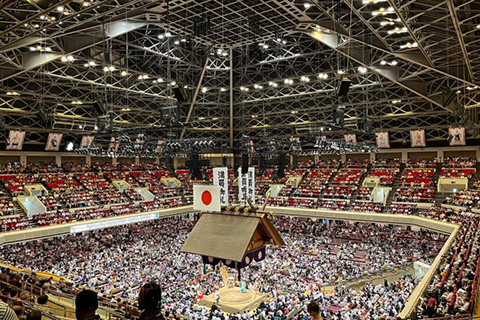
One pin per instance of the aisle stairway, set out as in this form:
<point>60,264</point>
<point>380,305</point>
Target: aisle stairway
<point>6,193</point>
<point>475,177</point>
<point>362,178</point>
<point>396,185</point>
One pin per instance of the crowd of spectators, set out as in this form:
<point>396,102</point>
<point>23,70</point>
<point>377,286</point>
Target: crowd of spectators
<point>365,193</point>
<point>367,206</point>
<point>332,204</point>
<point>316,254</point>
<point>414,195</point>
<point>339,192</point>
<point>464,198</point>
<point>453,288</point>
<point>403,208</point>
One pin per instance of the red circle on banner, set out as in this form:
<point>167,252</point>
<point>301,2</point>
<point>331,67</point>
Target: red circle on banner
<point>206,197</point>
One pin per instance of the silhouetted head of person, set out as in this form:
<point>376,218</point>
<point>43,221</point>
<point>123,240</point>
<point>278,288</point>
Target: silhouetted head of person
<point>86,304</point>
<point>313,309</point>
<point>150,297</point>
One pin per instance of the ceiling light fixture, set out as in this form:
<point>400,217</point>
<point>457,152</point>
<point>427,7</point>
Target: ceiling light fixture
<point>362,69</point>
<point>323,76</point>
<point>409,45</point>
<point>382,11</point>
<point>304,79</point>
<point>272,84</point>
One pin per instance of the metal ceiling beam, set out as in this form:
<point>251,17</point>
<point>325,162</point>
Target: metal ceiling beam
<point>410,32</point>
<point>194,98</point>
<point>458,30</point>
<point>331,40</point>
<point>349,3</point>
<point>334,27</point>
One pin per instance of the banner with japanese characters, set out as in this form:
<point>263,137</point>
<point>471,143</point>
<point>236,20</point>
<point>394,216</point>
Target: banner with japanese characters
<point>242,186</point>
<point>246,185</point>
<point>220,178</point>
<point>251,184</point>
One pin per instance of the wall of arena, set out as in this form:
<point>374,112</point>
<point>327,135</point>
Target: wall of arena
<point>216,159</point>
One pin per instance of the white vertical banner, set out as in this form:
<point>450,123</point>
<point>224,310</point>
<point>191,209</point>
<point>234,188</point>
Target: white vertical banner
<point>220,178</point>
<point>251,184</point>
<point>242,186</point>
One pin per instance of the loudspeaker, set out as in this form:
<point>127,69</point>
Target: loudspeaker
<point>168,164</point>
<point>224,161</point>
<point>195,166</point>
<point>338,116</point>
<point>343,87</point>
<point>368,125</point>
<point>262,163</point>
<point>281,165</point>
<point>244,163</point>
<point>294,162</point>
<point>447,97</point>
<point>99,108</point>
<point>180,94</point>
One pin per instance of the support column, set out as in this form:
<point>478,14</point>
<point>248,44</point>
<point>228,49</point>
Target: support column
<point>175,163</point>
<point>58,160</point>
<point>343,157</point>
<point>88,160</point>
<point>316,159</point>
<point>477,154</point>
<point>231,97</point>
<point>23,160</point>
<point>114,161</point>
<point>137,160</point>
<point>440,155</point>
<point>157,160</point>
<point>404,156</point>
<point>373,157</point>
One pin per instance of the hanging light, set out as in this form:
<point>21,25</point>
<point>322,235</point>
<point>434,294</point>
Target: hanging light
<point>323,76</point>
<point>362,69</point>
